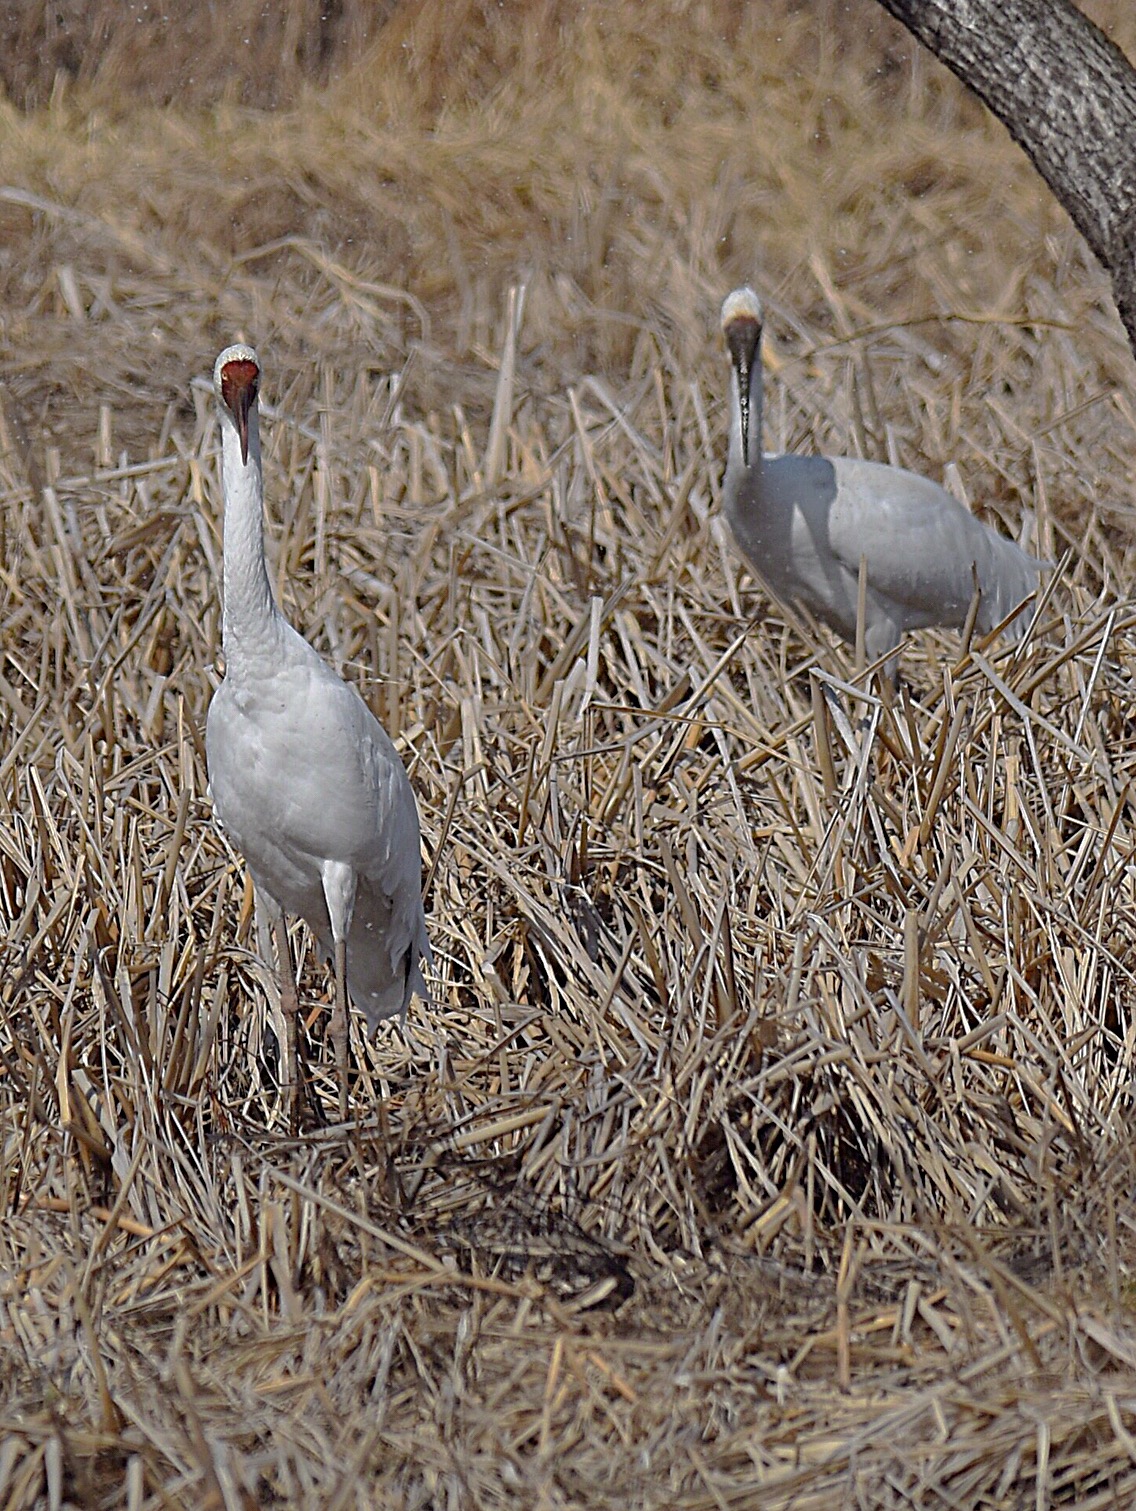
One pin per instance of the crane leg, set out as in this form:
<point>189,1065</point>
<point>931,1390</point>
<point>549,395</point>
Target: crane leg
<point>290,1010</point>
<point>339,1024</point>
<point>339,883</point>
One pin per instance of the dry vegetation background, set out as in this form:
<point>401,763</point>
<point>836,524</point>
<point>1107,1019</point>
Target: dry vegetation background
<point>769,1141</point>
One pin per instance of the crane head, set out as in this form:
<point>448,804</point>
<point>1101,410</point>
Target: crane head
<point>742,319</point>
<point>236,382</point>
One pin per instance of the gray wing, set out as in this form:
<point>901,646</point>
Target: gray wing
<point>388,933</point>
<point>920,543</point>
<point>390,854</point>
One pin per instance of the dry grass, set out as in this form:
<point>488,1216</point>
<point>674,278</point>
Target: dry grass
<point>769,1141</point>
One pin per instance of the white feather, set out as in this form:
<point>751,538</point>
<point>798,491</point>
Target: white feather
<point>304,778</point>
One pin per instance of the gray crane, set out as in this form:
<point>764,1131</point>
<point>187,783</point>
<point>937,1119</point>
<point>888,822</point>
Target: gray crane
<point>304,779</point>
<point>805,523</point>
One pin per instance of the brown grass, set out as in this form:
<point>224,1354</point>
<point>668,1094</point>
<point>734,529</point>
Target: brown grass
<point>769,1140</point>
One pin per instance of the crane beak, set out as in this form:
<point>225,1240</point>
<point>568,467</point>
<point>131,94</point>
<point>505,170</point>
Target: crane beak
<point>241,415</point>
<point>742,334</point>
<point>741,367</point>
<point>240,381</point>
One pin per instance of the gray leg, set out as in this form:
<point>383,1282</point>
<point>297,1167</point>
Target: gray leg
<point>290,1009</point>
<point>882,638</point>
<point>340,1030</point>
<point>339,882</point>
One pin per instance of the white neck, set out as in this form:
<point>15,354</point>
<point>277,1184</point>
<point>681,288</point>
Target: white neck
<point>250,618</point>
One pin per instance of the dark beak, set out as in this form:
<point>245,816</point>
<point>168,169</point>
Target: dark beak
<point>741,366</point>
<point>241,414</point>
<point>742,337</point>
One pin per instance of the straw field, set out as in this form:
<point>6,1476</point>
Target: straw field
<point>768,1140</point>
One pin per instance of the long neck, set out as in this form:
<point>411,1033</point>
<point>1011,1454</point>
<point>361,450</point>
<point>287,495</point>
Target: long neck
<point>738,465</point>
<point>249,619</point>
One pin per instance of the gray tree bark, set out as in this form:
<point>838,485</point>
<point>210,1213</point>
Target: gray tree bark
<point>1067,95</point>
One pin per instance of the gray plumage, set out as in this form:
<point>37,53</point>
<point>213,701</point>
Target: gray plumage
<point>304,778</point>
<point>804,522</point>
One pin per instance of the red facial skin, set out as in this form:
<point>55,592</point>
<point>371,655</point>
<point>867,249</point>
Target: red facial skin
<point>240,381</point>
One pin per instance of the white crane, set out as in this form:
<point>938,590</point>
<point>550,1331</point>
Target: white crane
<point>304,778</point>
<point>805,523</point>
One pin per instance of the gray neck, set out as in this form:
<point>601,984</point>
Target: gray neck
<point>250,618</point>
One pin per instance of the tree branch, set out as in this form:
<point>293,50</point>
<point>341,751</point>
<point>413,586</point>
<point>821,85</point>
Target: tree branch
<point>1067,95</point>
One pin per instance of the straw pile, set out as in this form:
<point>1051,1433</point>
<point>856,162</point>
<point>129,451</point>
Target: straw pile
<point>769,1140</point>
